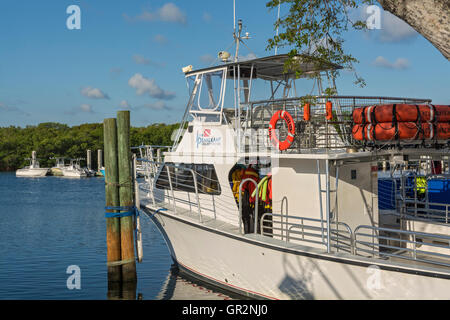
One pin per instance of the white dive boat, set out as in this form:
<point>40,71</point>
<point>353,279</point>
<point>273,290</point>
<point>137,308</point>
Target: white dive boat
<point>57,169</point>
<point>312,229</point>
<point>74,170</point>
<point>33,170</point>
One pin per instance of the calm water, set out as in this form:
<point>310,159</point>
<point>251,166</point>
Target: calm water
<point>50,223</point>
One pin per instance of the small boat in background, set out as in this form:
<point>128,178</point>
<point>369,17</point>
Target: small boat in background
<point>57,169</point>
<point>74,170</point>
<point>33,170</point>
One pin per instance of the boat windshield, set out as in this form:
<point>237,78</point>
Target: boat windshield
<point>210,89</point>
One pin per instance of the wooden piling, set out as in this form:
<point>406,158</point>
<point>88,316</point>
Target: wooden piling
<point>126,197</point>
<point>112,199</point>
<point>99,159</point>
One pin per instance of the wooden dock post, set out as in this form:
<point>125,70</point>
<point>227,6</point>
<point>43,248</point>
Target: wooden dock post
<point>126,197</point>
<point>99,159</point>
<point>89,159</point>
<point>112,199</point>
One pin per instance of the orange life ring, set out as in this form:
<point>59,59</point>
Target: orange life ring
<point>291,128</point>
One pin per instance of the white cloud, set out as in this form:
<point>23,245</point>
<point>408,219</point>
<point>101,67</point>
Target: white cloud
<point>167,13</point>
<point>399,64</point>
<point>171,13</point>
<point>144,85</point>
<point>394,29</point>
<point>94,93</point>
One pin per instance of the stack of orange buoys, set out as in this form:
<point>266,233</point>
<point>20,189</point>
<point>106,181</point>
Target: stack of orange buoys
<point>401,122</point>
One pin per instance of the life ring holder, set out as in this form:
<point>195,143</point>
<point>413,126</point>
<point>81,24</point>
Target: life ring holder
<point>280,114</point>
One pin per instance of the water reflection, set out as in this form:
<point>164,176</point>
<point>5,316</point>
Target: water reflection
<point>179,286</point>
<point>123,291</point>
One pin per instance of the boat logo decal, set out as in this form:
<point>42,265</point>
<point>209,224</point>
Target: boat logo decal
<point>207,138</point>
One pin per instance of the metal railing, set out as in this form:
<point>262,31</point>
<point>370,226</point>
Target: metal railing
<point>318,132</point>
<point>402,244</point>
<point>303,229</point>
<point>402,196</point>
<point>168,196</point>
<point>424,210</point>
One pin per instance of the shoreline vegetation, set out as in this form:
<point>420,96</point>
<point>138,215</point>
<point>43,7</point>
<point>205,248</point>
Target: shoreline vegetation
<point>52,139</point>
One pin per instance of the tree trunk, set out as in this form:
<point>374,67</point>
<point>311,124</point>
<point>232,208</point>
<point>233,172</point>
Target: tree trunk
<point>431,18</point>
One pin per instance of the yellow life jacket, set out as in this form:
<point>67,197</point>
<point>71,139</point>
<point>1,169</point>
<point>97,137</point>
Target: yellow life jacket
<point>421,185</point>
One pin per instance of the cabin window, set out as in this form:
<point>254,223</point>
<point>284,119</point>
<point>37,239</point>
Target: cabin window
<point>182,179</point>
<point>211,90</point>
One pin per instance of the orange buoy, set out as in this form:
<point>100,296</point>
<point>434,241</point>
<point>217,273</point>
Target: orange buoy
<point>306,112</point>
<point>401,113</point>
<point>442,113</point>
<point>329,110</point>
<point>283,145</point>
<point>400,131</point>
<point>442,131</point>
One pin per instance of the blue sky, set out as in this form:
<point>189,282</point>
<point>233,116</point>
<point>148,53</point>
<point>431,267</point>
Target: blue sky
<point>129,55</point>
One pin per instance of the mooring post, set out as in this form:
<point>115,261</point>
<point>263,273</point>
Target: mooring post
<point>112,200</point>
<point>126,197</point>
<point>89,159</point>
<point>137,203</point>
<point>99,159</point>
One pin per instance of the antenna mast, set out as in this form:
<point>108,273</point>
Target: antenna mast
<point>237,36</point>
<point>278,19</point>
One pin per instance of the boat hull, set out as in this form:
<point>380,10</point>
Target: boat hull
<point>74,174</point>
<point>269,270</point>
<point>33,172</point>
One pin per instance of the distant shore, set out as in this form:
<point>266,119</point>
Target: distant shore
<point>52,139</point>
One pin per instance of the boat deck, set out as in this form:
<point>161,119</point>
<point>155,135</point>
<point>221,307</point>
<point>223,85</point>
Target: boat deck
<point>400,259</point>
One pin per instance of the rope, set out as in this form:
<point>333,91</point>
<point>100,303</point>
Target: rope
<point>129,211</point>
<point>127,183</point>
<point>119,263</point>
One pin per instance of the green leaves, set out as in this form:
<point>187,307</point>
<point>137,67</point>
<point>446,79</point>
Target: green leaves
<point>59,140</point>
<point>316,28</point>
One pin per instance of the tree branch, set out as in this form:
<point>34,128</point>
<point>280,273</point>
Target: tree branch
<point>431,18</point>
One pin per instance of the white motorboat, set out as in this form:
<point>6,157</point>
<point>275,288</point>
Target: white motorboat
<point>33,170</point>
<point>277,198</point>
<point>73,170</point>
<point>57,169</point>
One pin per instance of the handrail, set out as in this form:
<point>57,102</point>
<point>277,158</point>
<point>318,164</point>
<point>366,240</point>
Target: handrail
<point>340,97</point>
<point>290,226</point>
<point>169,165</point>
<point>427,212</point>
<point>416,242</point>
